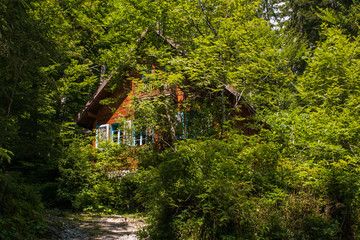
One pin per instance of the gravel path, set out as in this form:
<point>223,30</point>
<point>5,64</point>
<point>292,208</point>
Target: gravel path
<point>92,227</point>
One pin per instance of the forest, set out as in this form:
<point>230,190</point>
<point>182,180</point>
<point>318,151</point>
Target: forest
<point>296,62</point>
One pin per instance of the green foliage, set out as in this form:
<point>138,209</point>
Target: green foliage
<point>186,193</point>
<point>320,156</point>
<point>306,17</point>
<point>332,99</point>
<point>331,79</point>
<point>297,179</point>
<point>5,155</point>
<point>93,180</point>
<point>237,188</point>
<point>229,46</point>
<point>20,209</point>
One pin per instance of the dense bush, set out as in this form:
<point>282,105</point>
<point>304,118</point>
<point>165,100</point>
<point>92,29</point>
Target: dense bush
<point>238,188</point>
<point>20,209</point>
<point>91,179</point>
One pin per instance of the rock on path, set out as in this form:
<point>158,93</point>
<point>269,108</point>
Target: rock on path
<point>92,227</point>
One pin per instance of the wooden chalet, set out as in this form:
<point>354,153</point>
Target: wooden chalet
<point>117,126</point>
<point>112,121</point>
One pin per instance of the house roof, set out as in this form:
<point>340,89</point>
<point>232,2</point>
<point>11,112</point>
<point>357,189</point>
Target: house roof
<point>85,116</point>
<point>239,98</point>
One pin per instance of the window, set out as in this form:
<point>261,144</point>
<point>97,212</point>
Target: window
<point>124,133</point>
<point>140,137</point>
<point>146,83</point>
<point>193,123</point>
<point>102,134</point>
<point>149,135</point>
<point>180,125</point>
<point>117,132</point>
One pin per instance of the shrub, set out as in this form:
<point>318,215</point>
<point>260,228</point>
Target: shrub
<point>200,192</point>
<point>236,188</point>
<point>92,180</point>
<point>21,212</point>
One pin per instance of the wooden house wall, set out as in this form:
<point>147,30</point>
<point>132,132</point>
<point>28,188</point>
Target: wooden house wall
<point>244,112</point>
<point>245,121</point>
<point>106,114</point>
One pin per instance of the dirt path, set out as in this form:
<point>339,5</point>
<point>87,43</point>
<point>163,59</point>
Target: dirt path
<point>86,227</point>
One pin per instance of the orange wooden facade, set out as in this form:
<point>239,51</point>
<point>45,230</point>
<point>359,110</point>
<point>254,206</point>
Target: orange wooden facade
<point>96,115</point>
<point>113,121</point>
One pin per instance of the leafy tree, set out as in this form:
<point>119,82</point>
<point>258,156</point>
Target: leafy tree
<point>50,64</point>
<point>297,179</point>
<point>21,211</point>
<point>306,17</point>
<point>331,78</point>
<point>329,90</point>
<point>222,43</point>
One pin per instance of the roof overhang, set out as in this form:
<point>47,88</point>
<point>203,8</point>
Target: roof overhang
<point>87,115</point>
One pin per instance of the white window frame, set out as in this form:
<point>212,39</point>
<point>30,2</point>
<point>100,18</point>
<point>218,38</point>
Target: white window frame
<point>142,137</point>
<point>126,134</point>
<point>120,133</point>
<point>97,134</point>
<point>146,83</point>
